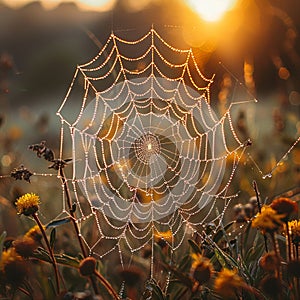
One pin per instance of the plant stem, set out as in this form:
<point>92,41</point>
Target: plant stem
<point>73,217</point>
<point>277,253</point>
<point>259,210</point>
<point>37,220</point>
<point>257,194</point>
<point>297,279</point>
<point>25,292</point>
<point>107,285</point>
<point>73,220</point>
<point>288,239</point>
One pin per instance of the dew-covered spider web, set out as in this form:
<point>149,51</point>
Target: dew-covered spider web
<point>151,159</point>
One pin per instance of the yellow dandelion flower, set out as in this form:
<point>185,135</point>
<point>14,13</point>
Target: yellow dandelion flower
<point>228,283</point>
<point>201,269</point>
<point>28,204</point>
<point>268,220</point>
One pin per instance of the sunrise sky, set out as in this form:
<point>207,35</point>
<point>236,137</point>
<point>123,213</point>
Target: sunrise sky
<point>212,10</point>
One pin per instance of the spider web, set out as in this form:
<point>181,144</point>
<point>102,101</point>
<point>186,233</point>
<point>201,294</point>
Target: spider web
<point>151,159</point>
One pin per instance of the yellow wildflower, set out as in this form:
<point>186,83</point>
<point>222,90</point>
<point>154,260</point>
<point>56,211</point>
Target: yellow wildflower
<point>7,257</point>
<point>294,231</point>
<point>34,233</point>
<point>163,237</point>
<point>25,246</point>
<point>13,266</point>
<point>201,269</point>
<point>268,220</point>
<point>28,204</point>
<point>270,262</point>
<point>284,206</point>
<point>228,283</point>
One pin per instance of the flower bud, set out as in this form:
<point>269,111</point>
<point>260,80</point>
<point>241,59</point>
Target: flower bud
<point>87,266</point>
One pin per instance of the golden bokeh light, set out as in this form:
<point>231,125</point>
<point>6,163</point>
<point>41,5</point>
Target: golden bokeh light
<point>212,10</point>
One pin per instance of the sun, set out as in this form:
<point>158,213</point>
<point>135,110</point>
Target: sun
<point>95,4</point>
<point>212,10</point>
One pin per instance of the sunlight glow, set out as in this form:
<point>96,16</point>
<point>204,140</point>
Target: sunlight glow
<point>212,10</point>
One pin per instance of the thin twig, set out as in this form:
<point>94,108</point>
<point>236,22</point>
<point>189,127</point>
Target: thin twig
<point>37,220</point>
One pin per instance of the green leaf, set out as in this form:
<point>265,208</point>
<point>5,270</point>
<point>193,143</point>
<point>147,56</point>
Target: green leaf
<point>157,249</point>
<point>157,293</point>
<point>182,277</point>
<point>43,255</point>
<point>67,260</point>
<point>52,237</point>
<point>179,293</point>
<point>194,246</point>
<point>220,258</point>
<point>246,234</point>
<point>59,222</point>
<point>52,288</point>
<point>2,239</point>
<point>62,259</point>
<point>254,253</point>
<point>225,259</point>
<point>185,263</point>
<point>245,272</point>
<point>222,232</point>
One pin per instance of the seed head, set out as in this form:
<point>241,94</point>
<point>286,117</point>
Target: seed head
<point>87,266</point>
